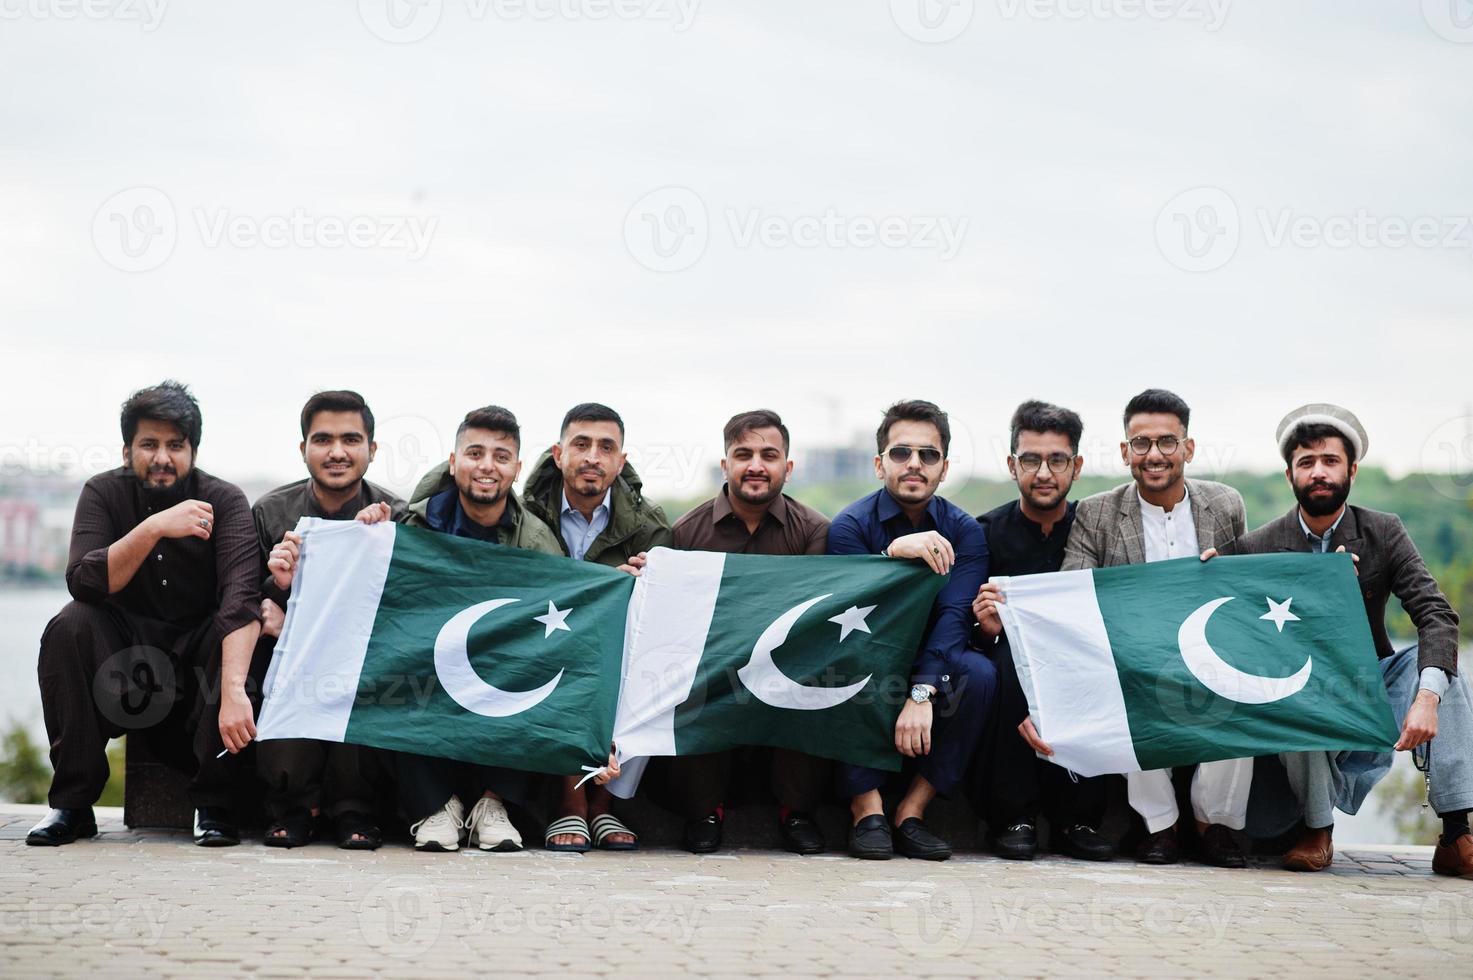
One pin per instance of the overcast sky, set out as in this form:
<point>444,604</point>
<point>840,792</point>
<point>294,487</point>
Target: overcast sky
<point>686,208</point>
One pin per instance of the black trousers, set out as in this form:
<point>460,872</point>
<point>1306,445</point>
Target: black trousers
<point>105,673</point>
<point>425,783</point>
<point>699,783</point>
<point>1017,785</point>
<point>303,773</point>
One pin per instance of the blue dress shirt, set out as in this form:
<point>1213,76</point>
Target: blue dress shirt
<point>867,526</point>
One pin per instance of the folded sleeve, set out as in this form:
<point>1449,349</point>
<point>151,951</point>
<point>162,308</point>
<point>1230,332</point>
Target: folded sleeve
<point>93,532</point>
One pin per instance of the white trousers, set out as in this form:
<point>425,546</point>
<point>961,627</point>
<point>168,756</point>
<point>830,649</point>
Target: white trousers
<point>1219,794</point>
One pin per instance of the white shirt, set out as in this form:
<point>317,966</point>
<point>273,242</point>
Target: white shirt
<point>1169,534</point>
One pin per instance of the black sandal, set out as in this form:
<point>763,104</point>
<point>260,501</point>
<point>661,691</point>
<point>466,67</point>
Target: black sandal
<point>292,829</point>
<point>351,825</point>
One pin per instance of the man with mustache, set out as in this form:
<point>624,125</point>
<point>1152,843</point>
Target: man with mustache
<point>952,685</point>
<point>586,491</point>
<point>752,516</point>
<point>1027,536</point>
<point>1322,446</point>
<point>471,497</point>
<point>1158,516</point>
<point>302,775</point>
<point>164,616</point>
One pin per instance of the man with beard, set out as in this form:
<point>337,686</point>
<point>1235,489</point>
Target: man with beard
<point>752,516</point>
<point>1027,536</point>
<point>586,491</point>
<point>952,685</point>
<point>471,497</point>
<point>1322,446</point>
<point>302,775</point>
<point>1162,515</point>
<point>157,639</point>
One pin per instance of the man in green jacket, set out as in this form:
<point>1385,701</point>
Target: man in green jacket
<point>586,491</point>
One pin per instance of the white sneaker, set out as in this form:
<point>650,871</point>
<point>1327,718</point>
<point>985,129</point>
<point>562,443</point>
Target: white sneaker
<point>490,827</point>
<point>440,831</point>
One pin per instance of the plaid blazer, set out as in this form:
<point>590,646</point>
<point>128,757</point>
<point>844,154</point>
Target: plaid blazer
<point>1107,527</point>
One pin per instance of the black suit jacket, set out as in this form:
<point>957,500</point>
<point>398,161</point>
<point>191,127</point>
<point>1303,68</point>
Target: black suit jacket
<point>1389,565</point>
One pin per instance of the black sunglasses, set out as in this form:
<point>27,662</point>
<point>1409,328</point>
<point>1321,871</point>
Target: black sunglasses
<point>901,454</point>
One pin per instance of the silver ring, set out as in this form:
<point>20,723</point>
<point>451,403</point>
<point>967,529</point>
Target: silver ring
<point>204,523</point>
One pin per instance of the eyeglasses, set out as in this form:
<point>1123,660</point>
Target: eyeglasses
<point>1141,445</point>
<point>901,454</point>
<point>1031,462</point>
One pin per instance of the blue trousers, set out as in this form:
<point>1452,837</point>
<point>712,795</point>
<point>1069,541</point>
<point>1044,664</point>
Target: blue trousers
<point>959,716</point>
<point>1326,781</point>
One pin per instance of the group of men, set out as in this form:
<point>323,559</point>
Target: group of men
<point>179,591</point>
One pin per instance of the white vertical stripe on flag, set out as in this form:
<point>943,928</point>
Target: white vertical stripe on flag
<point>664,639</point>
<point>1062,653</point>
<point>313,680</point>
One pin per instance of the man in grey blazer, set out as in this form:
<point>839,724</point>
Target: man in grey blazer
<point>1322,445</point>
<point>1161,515</point>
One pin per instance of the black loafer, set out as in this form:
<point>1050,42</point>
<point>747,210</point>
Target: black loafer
<point>703,836</point>
<point>1159,848</point>
<point>215,827</point>
<point>62,826</point>
<point>915,841</point>
<point>1221,849</point>
<point>1017,842</point>
<point>870,838</point>
<point>801,834</point>
<point>1083,842</point>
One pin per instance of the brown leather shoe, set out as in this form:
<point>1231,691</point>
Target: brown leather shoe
<point>1314,852</point>
<point>1454,859</point>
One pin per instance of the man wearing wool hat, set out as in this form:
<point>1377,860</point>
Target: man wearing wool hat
<point>1322,445</point>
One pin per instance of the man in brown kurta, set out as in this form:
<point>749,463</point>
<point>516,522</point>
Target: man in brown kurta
<point>157,639</point>
<point>752,516</point>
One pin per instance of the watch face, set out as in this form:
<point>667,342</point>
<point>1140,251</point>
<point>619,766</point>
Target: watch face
<point>919,695</point>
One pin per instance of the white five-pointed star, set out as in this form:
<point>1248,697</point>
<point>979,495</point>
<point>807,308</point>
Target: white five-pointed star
<point>852,619</point>
<point>1278,613</point>
<point>554,620</point>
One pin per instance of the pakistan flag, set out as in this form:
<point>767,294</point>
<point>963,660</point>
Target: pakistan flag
<point>1178,662</point>
<point>811,653</point>
<point>424,642</point>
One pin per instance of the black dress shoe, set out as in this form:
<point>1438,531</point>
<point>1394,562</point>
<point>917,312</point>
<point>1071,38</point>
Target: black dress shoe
<point>703,836</point>
<point>800,834</point>
<point>62,826</point>
<point>1017,842</point>
<point>1221,849</point>
<point>1087,844</point>
<point>915,841</point>
<point>870,838</point>
<point>1159,848</point>
<point>215,827</point>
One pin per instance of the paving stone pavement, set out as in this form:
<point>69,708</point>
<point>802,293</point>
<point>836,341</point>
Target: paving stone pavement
<point>149,903</point>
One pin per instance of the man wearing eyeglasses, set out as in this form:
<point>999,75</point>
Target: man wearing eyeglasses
<point>1027,536</point>
<point>952,685</point>
<point>1162,515</point>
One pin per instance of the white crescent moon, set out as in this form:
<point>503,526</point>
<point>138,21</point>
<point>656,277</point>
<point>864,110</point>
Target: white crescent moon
<point>459,678</point>
<point>772,687</point>
<point>1221,677</point>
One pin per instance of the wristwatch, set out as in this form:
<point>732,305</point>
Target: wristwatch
<point>920,693</point>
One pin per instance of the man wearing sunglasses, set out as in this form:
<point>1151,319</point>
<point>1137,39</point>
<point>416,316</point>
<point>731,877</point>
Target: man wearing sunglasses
<point>952,685</point>
<point>1027,536</point>
<point>1162,515</point>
